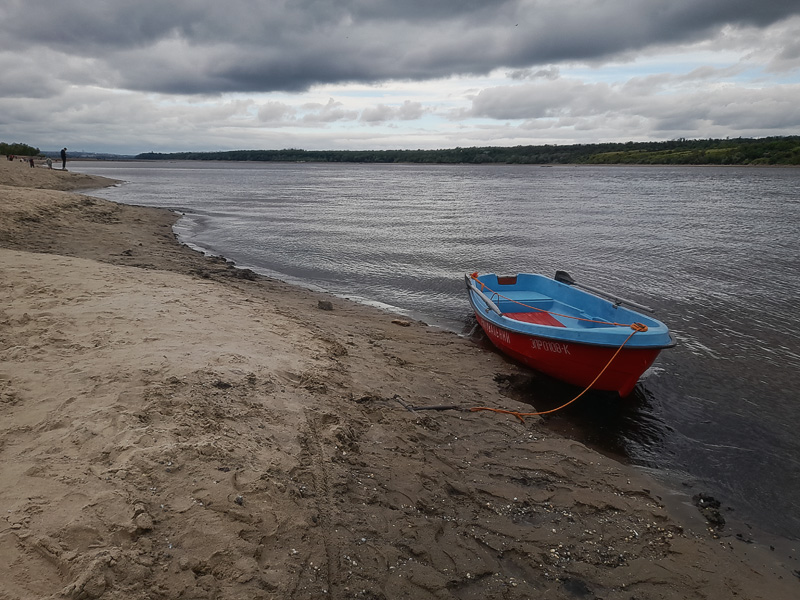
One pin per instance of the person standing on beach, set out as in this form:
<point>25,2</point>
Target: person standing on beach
<point>63,159</point>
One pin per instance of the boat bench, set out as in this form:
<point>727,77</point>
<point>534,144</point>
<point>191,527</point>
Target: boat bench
<point>514,304</point>
<point>512,301</point>
<point>523,295</point>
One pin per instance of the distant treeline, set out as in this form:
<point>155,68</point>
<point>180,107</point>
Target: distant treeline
<point>18,149</point>
<point>740,151</point>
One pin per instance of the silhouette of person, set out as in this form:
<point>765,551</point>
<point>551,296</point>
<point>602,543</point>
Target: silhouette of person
<point>63,159</point>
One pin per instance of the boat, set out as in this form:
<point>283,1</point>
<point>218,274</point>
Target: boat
<point>572,332</point>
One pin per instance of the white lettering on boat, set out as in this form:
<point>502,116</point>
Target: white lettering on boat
<point>548,346</point>
<point>494,331</point>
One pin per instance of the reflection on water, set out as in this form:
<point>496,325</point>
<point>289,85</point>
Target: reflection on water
<point>713,250</point>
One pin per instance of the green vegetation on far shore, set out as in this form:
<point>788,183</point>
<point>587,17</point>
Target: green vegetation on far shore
<point>18,150</point>
<point>739,151</point>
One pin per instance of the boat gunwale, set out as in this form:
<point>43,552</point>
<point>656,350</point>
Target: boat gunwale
<point>573,335</point>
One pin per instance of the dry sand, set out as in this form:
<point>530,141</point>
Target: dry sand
<point>173,427</point>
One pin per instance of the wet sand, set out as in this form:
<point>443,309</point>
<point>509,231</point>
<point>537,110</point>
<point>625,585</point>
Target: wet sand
<point>174,427</point>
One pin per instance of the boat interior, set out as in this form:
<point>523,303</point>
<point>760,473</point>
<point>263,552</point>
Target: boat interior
<point>532,307</point>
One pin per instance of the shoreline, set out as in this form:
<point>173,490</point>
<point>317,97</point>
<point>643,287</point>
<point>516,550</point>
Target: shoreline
<point>175,426</point>
<point>487,164</point>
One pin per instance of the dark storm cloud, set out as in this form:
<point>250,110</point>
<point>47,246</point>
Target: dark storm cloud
<point>213,46</point>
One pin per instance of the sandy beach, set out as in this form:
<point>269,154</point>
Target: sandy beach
<point>174,427</point>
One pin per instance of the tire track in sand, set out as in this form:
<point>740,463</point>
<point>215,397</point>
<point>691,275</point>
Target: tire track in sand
<point>319,469</point>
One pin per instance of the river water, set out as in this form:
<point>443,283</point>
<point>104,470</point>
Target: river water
<point>713,250</point>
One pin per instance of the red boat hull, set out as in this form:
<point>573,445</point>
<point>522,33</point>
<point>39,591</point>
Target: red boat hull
<point>575,363</point>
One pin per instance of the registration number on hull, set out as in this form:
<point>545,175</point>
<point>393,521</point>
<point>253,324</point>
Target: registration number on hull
<point>495,332</point>
<point>548,346</point>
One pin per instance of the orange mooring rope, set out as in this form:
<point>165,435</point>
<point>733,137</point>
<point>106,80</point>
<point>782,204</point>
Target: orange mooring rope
<point>520,415</point>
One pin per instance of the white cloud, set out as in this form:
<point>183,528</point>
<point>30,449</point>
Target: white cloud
<point>381,113</point>
<point>328,113</point>
<point>275,112</point>
<point>195,75</point>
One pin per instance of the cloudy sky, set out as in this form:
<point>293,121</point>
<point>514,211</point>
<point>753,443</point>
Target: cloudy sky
<point>153,75</point>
